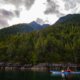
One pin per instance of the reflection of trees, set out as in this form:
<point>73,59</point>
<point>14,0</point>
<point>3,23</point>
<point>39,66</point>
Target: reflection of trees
<point>67,77</point>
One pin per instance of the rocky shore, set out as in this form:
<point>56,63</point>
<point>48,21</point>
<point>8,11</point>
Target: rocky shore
<point>36,67</point>
<point>17,66</point>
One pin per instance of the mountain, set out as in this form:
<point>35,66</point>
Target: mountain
<point>35,25</point>
<point>55,44</point>
<point>45,25</point>
<point>70,18</point>
<point>21,28</point>
<point>59,43</point>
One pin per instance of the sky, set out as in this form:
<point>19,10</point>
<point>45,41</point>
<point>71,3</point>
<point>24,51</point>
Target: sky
<point>42,11</point>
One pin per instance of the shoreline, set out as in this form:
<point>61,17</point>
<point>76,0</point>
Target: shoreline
<point>36,67</point>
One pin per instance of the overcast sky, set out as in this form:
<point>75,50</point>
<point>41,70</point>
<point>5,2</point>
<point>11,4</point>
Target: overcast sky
<point>42,11</point>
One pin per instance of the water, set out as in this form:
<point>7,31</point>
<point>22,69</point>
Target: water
<point>29,75</point>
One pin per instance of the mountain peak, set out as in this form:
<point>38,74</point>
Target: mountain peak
<point>35,25</point>
<point>33,22</point>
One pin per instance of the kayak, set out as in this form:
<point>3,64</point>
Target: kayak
<point>65,72</point>
<point>59,72</point>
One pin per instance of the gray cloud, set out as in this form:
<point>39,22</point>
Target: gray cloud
<point>39,21</point>
<point>52,7</point>
<point>9,14</point>
<point>6,14</point>
<point>17,13</point>
<point>14,2</point>
<point>29,3</point>
<point>60,14</point>
<point>70,4</point>
<point>3,23</point>
<point>17,3</point>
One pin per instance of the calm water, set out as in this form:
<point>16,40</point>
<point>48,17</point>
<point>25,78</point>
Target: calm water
<point>19,75</point>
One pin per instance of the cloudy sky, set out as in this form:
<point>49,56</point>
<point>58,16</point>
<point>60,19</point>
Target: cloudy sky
<point>41,11</point>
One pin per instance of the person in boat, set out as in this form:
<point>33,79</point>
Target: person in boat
<point>68,70</point>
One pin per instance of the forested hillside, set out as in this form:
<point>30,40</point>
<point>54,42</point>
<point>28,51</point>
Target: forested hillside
<point>59,43</point>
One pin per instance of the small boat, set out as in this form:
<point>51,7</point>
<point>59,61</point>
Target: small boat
<point>59,72</point>
<point>65,72</point>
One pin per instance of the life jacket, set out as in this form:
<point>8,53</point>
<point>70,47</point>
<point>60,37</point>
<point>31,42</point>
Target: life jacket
<point>68,70</point>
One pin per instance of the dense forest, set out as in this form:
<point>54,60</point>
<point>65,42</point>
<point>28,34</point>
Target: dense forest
<point>59,43</point>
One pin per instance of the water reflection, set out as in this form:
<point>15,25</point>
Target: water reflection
<point>29,75</point>
<point>67,77</point>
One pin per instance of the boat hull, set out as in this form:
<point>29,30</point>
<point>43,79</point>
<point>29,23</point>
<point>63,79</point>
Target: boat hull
<point>65,73</point>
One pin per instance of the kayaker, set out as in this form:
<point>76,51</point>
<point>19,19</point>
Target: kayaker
<point>68,70</point>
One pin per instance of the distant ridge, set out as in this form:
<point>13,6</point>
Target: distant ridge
<point>70,18</point>
<point>37,26</point>
<point>21,28</point>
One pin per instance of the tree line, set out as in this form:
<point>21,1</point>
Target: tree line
<point>59,43</point>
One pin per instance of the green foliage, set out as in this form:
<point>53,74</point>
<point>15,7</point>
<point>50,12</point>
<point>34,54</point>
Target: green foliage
<point>59,43</point>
